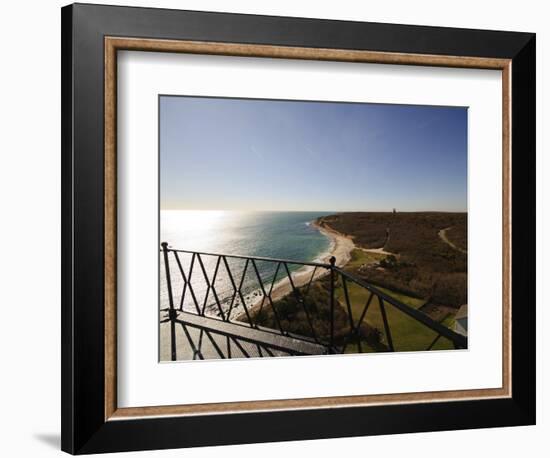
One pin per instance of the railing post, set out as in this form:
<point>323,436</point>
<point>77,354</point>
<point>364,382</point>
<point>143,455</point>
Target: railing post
<point>172,314</point>
<point>332,261</point>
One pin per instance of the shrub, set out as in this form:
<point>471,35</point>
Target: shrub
<point>450,289</point>
<point>294,319</point>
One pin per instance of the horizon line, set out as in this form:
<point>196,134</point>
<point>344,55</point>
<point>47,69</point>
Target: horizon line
<point>310,211</point>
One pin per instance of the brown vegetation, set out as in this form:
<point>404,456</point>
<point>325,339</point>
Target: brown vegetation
<point>315,300</point>
<point>423,265</point>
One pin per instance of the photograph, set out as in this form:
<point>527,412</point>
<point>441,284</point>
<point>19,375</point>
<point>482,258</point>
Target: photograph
<point>306,227</point>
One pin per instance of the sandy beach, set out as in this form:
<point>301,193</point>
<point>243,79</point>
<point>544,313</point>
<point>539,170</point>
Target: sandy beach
<point>340,247</point>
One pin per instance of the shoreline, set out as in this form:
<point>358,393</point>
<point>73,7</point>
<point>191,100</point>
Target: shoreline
<point>340,247</point>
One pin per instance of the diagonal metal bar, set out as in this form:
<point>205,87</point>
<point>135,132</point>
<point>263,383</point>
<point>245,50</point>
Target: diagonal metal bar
<point>300,301</point>
<point>362,317</point>
<point>386,324</point>
<point>348,303</point>
<point>232,280</point>
<point>205,276</point>
<point>214,292</point>
<point>271,286</point>
<point>358,327</point>
<point>228,341</point>
<point>360,322</point>
<point>240,347</point>
<point>191,290</point>
<point>215,345</point>
<point>275,314</point>
<point>310,280</point>
<point>433,342</point>
<point>184,280</point>
<point>201,333</point>
<point>196,351</point>
<point>241,297</point>
<point>210,286</point>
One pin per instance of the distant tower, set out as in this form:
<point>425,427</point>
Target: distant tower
<point>394,212</point>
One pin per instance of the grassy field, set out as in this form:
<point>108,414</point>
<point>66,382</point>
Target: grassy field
<point>407,334</point>
<point>360,258</point>
<point>413,302</point>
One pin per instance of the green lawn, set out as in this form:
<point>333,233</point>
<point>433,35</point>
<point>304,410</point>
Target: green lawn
<point>407,333</point>
<point>407,300</point>
<point>360,257</point>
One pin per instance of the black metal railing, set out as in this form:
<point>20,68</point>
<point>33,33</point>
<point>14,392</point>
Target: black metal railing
<point>258,306</point>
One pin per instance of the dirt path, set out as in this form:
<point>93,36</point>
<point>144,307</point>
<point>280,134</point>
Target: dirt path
<point>333,232</point>
<point>377,250</point>
<point>443,236</point>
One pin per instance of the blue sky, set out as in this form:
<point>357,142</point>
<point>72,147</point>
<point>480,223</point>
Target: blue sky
<point>246,154</point>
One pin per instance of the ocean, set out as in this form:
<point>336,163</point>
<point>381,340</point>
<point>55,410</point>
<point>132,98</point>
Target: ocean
<point>283,235</point>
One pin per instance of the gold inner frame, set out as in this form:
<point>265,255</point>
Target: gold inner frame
<point>112,45</point>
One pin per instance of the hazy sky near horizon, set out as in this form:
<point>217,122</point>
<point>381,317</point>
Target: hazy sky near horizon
<point>246,154</point>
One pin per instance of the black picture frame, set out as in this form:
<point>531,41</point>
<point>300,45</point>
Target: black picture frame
<point>84,428</point>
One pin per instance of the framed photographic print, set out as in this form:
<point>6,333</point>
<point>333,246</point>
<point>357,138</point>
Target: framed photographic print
<point>271,222</point>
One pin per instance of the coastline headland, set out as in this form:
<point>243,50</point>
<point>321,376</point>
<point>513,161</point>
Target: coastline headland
<point>419,262</point>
